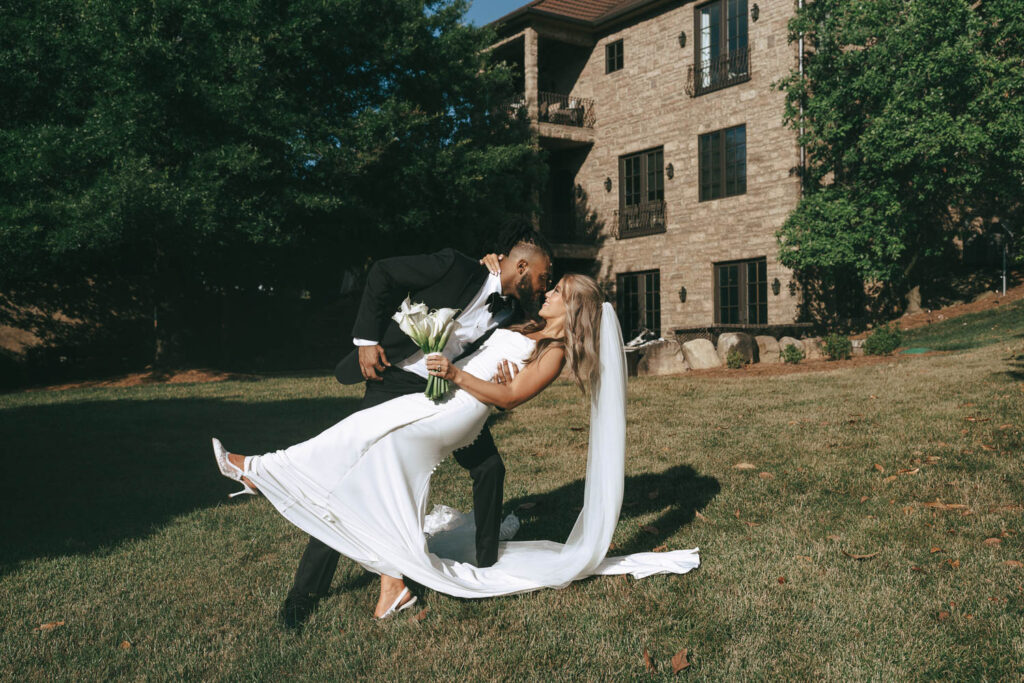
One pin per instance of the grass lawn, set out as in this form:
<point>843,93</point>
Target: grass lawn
<point>115,522</point>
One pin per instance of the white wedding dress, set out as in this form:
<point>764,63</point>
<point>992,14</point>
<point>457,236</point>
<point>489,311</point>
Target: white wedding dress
<point>361,486</point>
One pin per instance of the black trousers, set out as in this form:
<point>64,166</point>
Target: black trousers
<point>320,561</point>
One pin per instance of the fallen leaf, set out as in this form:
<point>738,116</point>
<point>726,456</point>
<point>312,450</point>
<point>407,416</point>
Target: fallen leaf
<point>649,663</point>
<point>125,645</point>
<point>766,475</point>
<point>860,557</point>
<point>652,495</point>
<point>935,549</point>
<point>659,549</point>
<point>419,616</point>
<point>987,447</point>
<point>50,626</point>
<point>701,517</point>
<point>911,471</point>
<point>943,616</point>
<point>744,466</point>
<point>938,505</point>
<point>891,477</point>
<point>805,558</point>
<point>954,564</point>
<point>751,524</point>
<point>782,579</point>
<point>991,542</point>
<point>679,661</point>
<point>1016,564</point>
<point>879,467</point>
<point>649,529</point>
<point>863,498</point>
<point>921,570</point>
<point>612,546</point>
<point>833,537</point>
<point>1006,426</point>
<point>526,506</point>
<point>737,513</point>
<point>872,396</point>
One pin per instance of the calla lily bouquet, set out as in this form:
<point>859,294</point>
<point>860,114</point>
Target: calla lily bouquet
<point>430,330</point>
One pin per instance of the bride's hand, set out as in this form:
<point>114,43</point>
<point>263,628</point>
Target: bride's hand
<point>505,373</point>
<point>492,262</point>
<point>439,366</point>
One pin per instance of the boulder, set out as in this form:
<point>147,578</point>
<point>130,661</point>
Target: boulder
<point>663,357</point>
<point>812,348</point>
<point>767,349</point>
<point>738,341</point>
<point>700,354</point>
<point>786,341</point>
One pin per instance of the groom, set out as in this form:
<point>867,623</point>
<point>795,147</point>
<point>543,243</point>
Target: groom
<point>392,365</point>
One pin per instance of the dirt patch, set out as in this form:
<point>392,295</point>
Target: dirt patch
<point>136,379</point>
<point>983,302</point>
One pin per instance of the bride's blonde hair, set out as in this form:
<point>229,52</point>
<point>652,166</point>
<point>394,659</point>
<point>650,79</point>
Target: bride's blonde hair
<point>582,299</point>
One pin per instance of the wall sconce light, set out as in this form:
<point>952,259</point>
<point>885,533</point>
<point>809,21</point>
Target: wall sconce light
<point>776,286</point>
<point>682,295</point>
<point>755,12</point>
<point>607,184</point>
<point>579,190</point>
<point>670,171</point>
<point>682,39</point>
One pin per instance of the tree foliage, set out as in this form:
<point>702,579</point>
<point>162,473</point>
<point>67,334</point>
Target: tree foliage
<point>912,114</point>
<point>177,147</point>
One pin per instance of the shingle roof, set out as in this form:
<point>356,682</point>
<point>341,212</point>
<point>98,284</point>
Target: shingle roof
<point>591,11</point>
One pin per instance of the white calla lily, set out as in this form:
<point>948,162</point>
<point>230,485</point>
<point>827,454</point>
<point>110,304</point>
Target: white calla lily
<point>431,331</point>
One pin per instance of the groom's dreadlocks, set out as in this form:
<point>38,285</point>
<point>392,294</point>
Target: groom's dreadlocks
<point>518,230</point>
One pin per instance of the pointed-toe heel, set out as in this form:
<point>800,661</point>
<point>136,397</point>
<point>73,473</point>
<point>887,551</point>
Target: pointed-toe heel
<point>229,470</point>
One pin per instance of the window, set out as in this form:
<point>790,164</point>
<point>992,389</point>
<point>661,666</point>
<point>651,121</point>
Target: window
<point>638,296</point>
<point>721,47</point>
<point>741,293</point>
<point>613,56</point>
<point>723,163</point>
<point>642,193</point>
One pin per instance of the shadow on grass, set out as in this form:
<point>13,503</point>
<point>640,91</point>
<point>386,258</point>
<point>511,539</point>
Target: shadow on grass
<point>78,477</point>
<point>675,494</point>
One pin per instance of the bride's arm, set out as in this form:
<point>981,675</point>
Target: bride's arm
<point>527,384</point>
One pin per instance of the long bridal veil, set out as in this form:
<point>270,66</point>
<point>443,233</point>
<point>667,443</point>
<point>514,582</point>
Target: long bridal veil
<point>527,565</point>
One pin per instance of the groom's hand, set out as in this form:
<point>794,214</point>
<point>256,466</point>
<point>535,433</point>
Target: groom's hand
<point>372,360</point>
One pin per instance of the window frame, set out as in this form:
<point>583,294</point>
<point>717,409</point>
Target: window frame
<point>614,56</point>
<point>743,291</point>
<point>643,177</point>
<point>648,297</point>
<point>720,159</point>
<point>733,42</point>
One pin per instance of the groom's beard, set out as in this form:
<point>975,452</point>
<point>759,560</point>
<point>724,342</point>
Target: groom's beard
<point>529,298</point>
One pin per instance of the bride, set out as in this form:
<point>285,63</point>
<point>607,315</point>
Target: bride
<point>361,486</point>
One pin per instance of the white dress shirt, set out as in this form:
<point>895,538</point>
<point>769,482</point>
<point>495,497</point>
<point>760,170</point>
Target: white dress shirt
<point>475,320</point>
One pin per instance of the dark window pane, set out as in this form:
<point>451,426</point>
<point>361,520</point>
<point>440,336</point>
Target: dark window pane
<point>639,301</point>
<point>613,56</point>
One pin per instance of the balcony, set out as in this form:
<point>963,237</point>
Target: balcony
<point>565,110</point>
<point>640,219</point>
<point>720,72</point>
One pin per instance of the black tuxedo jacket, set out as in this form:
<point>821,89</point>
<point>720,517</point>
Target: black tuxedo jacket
<point>447,278</point>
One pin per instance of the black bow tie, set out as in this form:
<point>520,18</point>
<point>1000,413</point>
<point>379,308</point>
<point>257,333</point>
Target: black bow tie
<point>496,303</point>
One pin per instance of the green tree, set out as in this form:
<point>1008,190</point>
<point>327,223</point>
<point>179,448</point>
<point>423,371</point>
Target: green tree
<point>169,149</point>
<point>912,114</point>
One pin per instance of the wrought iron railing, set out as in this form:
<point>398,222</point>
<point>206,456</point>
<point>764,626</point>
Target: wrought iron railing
<point>567,110</point>
<point>720,72</point>
<point>641,219</point>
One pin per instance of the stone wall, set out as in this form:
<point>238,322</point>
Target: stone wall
<point>645,105</point>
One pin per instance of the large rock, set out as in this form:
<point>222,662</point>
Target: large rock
<point>767,349</point>
<point>786,341</point>
<point>812,348</point>
<point>738,341</point>
<point>663,357</point>
<point>700,354</point>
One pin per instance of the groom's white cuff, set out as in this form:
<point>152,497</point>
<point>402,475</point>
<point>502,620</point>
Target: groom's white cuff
<point>363,342</point>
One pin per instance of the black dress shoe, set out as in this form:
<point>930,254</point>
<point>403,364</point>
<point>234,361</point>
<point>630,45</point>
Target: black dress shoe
<point>297,610</point>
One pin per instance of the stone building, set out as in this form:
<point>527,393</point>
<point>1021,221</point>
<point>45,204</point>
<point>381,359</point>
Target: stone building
<point>670,167</point>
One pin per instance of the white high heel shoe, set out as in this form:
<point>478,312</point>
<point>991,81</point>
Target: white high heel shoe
<point>229,470</point>
<point>394,609</point>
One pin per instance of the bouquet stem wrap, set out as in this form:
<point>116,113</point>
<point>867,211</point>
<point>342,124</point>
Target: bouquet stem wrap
<point>431,331</point>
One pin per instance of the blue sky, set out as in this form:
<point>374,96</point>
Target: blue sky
<point>485,11</point>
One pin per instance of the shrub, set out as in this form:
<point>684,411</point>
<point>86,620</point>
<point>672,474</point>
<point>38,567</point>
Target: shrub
<point>883,340</point>
<point>734,359</point>
<point>837,347</point>
<point>792,354</point>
